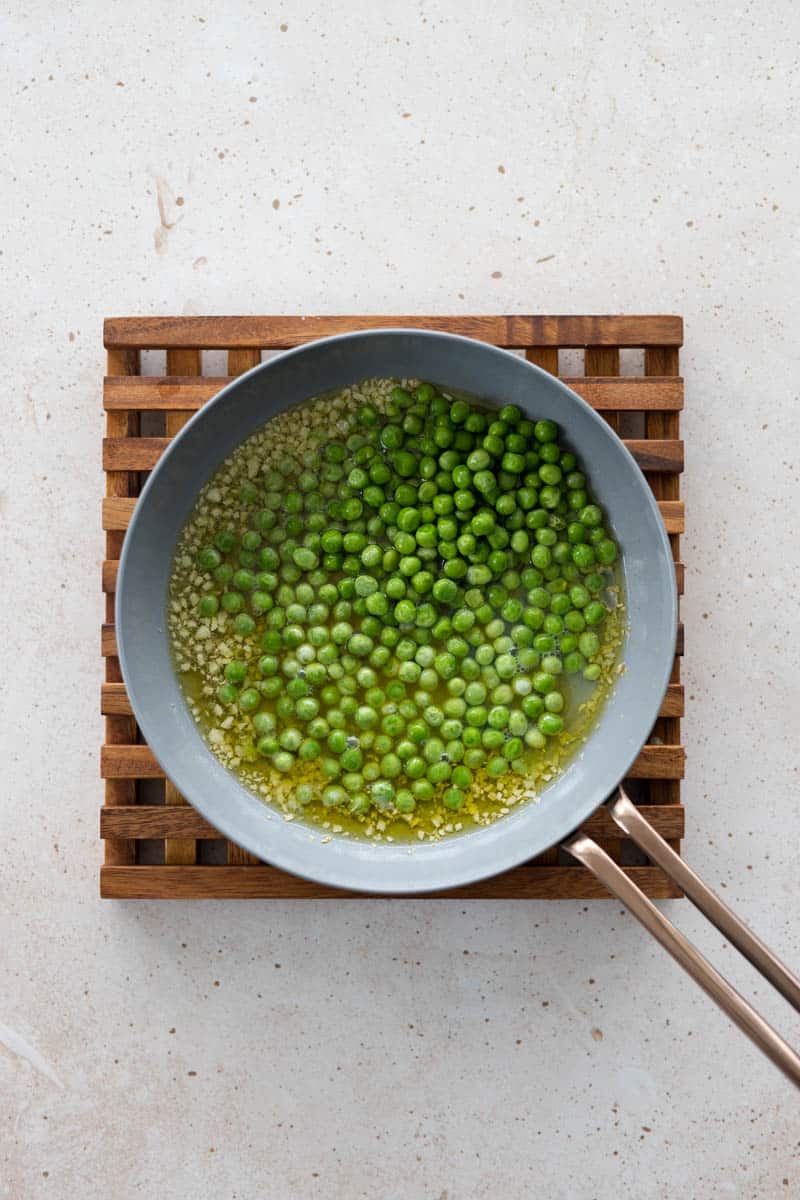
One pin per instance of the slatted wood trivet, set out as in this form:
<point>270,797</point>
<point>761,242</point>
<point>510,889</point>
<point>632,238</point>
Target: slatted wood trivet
<point>157,847</point>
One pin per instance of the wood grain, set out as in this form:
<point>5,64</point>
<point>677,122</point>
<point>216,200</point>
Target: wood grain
<point>603,360</point>
<point>277,332</point>
<point>109,570</point>
<point>158,821</point>
<point>663,362</point>
<point>545,357</point>
<point>265,883</point>
<point>179,851</point>
<point>680,577</point>
<point>154,393</point>
<point>142,454</point>
<point>673,702</point>
<point>659,395</point>
<point>108,577</point>
<point>108,641</point>
<point>654,454</point>
<point>118,510</point>
<point>238,362</point>
<point>139,762</point>
<point>119,728</point>
<point>114,699</point>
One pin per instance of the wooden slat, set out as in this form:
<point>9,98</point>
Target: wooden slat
<point>159,393</point>
<point>175,393</point>
<point>545,357</point>
<point>629,393</point>
<point>109,576</point>
<point>654,454</point>
<point>673,515</point>
<point>118,510</point>
<point>139,762</point>
<point>265,883</point>
<point>142,454</point>
<point>133,454</point>
<point>680,577</point>
<point>276,332</point>
<point>663,362</point>
<point>659,762</point>
<point>242,360</point>
<point>603,360</point>
<point>108,641</point>
<point>673,703</point>
<point>109,572</point>
<point>179,851</point>
<point>129,762</point>
<point>119,728</point>
<point>599,360</point>
<point>238,362</point>
<point>160,821</point>
<point>114,700</point>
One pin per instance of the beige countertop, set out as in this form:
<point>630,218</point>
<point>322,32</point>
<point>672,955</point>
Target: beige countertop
<point>386,157</point>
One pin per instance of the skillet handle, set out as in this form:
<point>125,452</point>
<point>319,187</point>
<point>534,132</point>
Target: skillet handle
<point>631,821</point>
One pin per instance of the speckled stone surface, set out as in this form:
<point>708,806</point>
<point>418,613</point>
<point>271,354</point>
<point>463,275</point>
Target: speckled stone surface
<point>443,156</point>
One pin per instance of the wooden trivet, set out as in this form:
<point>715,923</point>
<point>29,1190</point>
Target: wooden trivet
<point>157,846</point>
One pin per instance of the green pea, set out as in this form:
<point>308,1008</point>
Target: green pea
<point>333,796</point>
<point>551,664</point>
<point>391,765</point>
<point>549,724</point>
<point>208,606</point>
<point>497,766</point>
<point>591,516</point>
<point>439,772</point>
<point>589,644</point>
<point>232,602</point>
<point>545,431</point>
<point>366,717</point>
<point>208,558</point>
<point>505,665</point>
<point>583,556</point>
<point>594,613</point>
<point>304,558</point>
<point>498,717</point>
<point>606,551</point>
<point>415,767</point>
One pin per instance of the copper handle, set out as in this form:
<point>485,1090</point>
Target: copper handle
<point>631,821</point>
